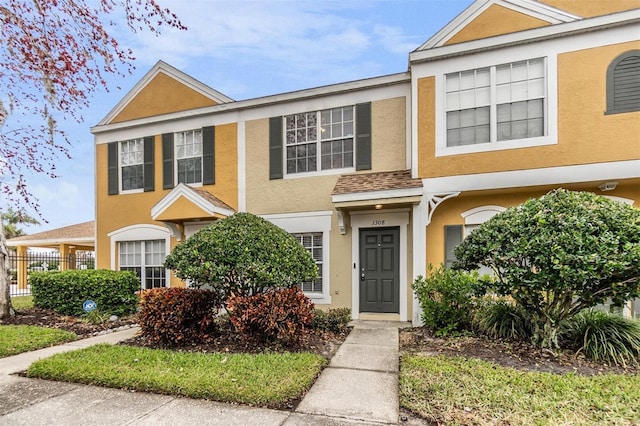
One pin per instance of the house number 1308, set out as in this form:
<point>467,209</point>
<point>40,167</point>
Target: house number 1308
<point>377,222</point>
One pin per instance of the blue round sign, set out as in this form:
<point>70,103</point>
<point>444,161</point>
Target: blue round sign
<point>89,305</point>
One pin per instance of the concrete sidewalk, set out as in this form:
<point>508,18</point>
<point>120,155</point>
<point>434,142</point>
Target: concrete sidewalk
<point>359,387</point>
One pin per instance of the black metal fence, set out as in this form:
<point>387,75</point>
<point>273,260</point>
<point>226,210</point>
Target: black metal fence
<point>43,262</point>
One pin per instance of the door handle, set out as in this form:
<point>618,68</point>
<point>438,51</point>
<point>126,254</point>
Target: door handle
<point>362,276</point>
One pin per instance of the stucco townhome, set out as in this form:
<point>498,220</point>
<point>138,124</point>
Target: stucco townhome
<point>380,177</point>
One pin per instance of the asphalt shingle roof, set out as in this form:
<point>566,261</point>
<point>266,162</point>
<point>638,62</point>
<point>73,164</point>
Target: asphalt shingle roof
<point>377,181</point>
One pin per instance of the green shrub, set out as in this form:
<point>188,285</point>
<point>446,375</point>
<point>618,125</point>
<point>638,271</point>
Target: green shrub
<point>176,316</point>
<point>242,254</point>
<point>334,320</point>
<point>65,291</point>
<point>281,316</point>
<point>502,320</point>
<point>558,255</point>
<point>446,299</point>
<point>603,337</point>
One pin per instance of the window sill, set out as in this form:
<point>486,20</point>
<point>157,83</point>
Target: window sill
<point>442,151</point>
<point>131,191</point>
<point>318,298</point>
<point>320,173</point>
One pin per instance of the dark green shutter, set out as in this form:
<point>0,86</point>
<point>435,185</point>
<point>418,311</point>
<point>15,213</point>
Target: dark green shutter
<point>363,136</point>
<point>275,148</point>
<point>623,83</point>
<point>112,167</point>
<point>167,161</point>
<point>452,237</point>
<point>149,172</point>
<point>208,155</point>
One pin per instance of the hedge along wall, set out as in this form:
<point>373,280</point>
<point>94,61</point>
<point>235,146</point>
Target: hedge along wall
<point>65,291</point>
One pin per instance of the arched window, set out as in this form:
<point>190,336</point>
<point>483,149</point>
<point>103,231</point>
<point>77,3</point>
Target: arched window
<point>623,83</point>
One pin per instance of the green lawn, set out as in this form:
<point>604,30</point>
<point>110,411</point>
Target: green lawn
<point>22,302</point>
<point>458,391</point>
<point>15,339</point>
<point>257,379</point>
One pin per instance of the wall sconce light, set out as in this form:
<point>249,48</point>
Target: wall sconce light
<point>378,206</point>
<point>608,186</point>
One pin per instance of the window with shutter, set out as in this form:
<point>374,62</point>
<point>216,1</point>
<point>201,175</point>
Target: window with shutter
<point>336,139</point>
<point>623,83</point>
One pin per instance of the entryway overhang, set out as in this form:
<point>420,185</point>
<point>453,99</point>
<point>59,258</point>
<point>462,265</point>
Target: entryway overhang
<point>374,191</point>
<point>184,204</point>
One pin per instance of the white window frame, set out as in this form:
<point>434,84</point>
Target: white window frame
<point>139,232</point>
<point>311,222</point>
<point>493,60</point>
<point>318,143</point>
<point>143,245</point>
<point>121,165</point>
<point>320,264</point>
<point>185,134</point>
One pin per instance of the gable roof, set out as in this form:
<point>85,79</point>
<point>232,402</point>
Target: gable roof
<point>202,202</point>
<point>160,69</point>
<point>79,234</point>
<point>530,9</point>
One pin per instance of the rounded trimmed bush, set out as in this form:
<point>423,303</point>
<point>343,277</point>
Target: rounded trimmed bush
<point>282,316</point>
<point>177,316</point>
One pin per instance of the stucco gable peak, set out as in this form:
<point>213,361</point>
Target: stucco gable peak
<point>531,8</point>
<point>199,197</point>
<point>162,67</point>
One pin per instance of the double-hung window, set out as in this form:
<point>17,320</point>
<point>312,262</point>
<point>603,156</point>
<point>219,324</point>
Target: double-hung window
<point>132,164</point>
<point>189,156</point>
<point>495,104</point>
<point>130,167</point>
<point>312,241</point>
<point>319,140</point>
<point>146,259</point>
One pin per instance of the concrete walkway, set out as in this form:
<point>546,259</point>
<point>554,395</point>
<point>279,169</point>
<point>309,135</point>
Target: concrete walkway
<point>359,387</point>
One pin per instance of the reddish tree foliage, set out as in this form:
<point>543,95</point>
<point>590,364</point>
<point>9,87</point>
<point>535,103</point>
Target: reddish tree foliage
<point>53,55</point>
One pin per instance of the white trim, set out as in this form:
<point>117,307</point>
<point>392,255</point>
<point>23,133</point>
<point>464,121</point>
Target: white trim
<point>174,73</point>
<point>376,195</point>
<point>529,36</point>
<point>139,232</point>
<point>232,113</point>
<point>481,214</point>
<point>550,109</point>
<point>327,172</point>
<point>419,253</point>
<point>533,177</point>
<point>324,97</point>
<point>183,190</point>
<point>365,219</point>
<point>533,9</point>
<point>53,241</point>
<point>434,199</point>
<point>242,167</point>
<point>318,221</point>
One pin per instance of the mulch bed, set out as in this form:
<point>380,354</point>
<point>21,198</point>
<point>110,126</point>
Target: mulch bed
<point>519,355</point>
<point>318,341</point>
<point>80,326</point>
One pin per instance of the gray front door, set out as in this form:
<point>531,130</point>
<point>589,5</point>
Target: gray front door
<point>380,270</point>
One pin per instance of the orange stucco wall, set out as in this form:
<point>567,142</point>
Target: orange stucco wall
<point>117,211</point>
<point>591,8</point>
<point>496,20</point>
<point>585,134</point>
<point>162,95</point>
<point>448,213</point>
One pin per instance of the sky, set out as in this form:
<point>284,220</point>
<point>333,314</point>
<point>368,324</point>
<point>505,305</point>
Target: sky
<point>247,49</point>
